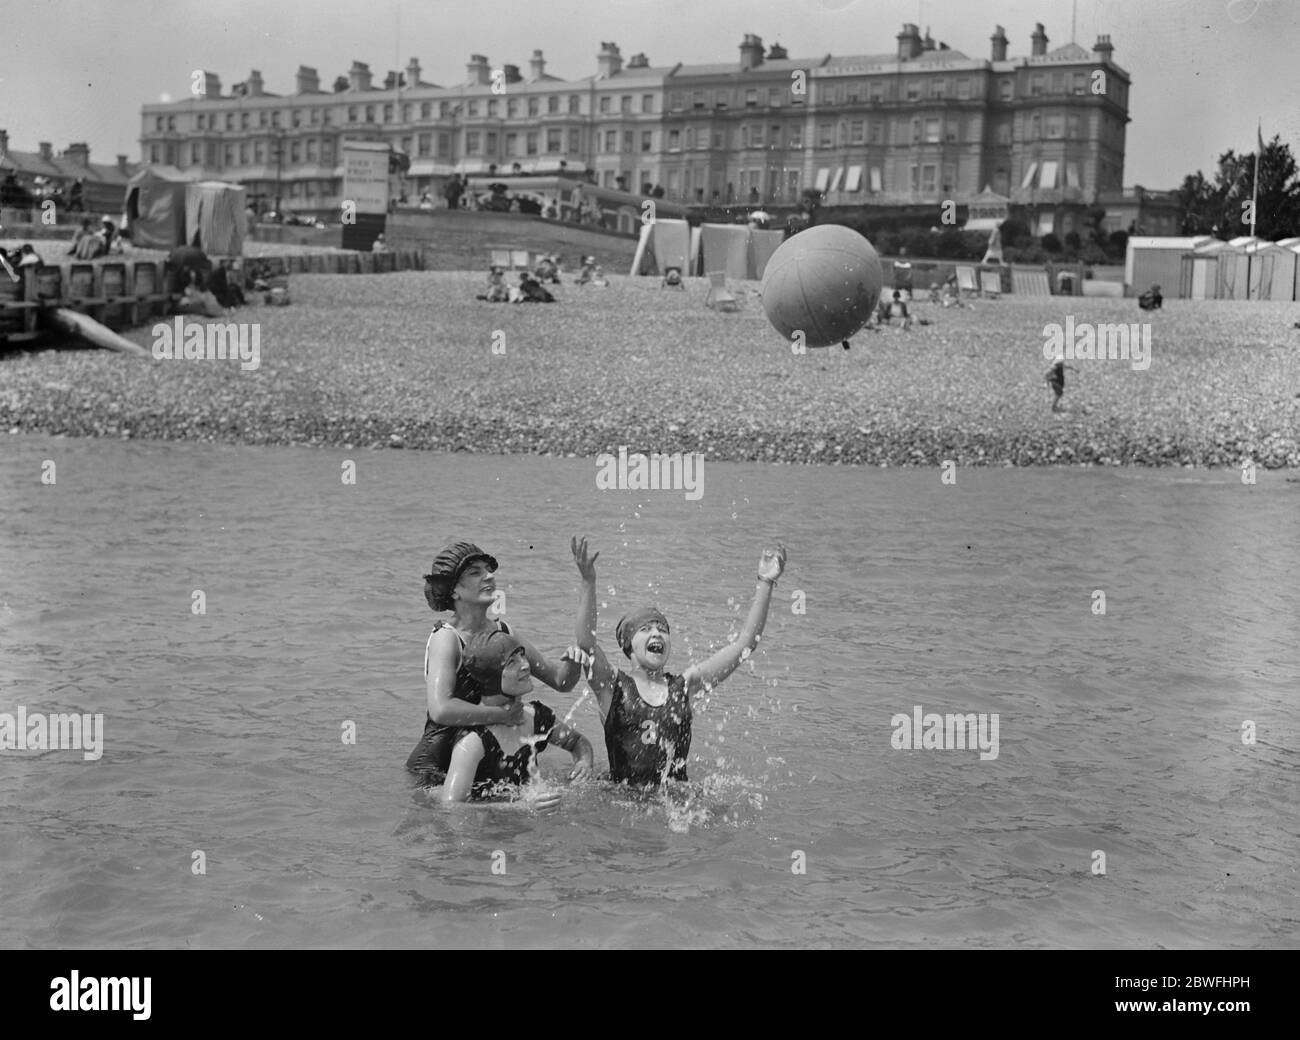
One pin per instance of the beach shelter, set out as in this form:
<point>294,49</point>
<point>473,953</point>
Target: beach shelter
<point>155,207</point>
<point>215,217</point>
<point>726,248</point>
<point>1156,261</point>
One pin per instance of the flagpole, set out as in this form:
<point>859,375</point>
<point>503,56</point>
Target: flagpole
<point>1254,199</point>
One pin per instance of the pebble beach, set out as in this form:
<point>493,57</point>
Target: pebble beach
<point>414,361</point>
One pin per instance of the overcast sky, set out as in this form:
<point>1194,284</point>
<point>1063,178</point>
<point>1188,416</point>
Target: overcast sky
<point>78,70</point>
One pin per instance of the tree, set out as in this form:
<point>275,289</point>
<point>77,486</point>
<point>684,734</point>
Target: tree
<point>1222,208</point>
<point>341,83</point>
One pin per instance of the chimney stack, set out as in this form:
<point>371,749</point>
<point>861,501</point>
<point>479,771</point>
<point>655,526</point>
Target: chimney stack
<point>79,153</point>
<point>751,52</point>
<point>121,165</point>
<point>639,61</point>
<point>927,44</point>
<point>359,76</point>
<point>999,39</point>
<point>537,65</point>
<point>413,72</point>
<point>255,84</point>
<point>609,61</point>
<point>1039,40</point>
<point>477,71</point>
<point>4,143</point>
<point>512,73</point>
<point>777,53</point>
<point>211,85</point>
<point>47,150</point>
<point>308,80</point>
<point>909,42</point>
<point>1102,48</point>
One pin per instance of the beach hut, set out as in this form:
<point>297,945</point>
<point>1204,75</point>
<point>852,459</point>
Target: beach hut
<point>155,207</point>
<point>1156,261</point>
<point>1200,271</point>
<point>1273,272</point>
<point>1238,275</point>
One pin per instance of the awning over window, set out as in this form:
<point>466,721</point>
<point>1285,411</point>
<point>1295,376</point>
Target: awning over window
<point>1028,182</point>
<point>1072,175</point>
<point>1048,179</point>
<point>981,224</point>
<point>875,179</point>
<point>823,178</point>
<point>839,176</point>
<point>854,183</point>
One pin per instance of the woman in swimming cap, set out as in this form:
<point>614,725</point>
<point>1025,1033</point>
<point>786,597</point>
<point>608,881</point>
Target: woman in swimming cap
<point>487,757</point>
<point>647,711</point>
<point>463,580</point>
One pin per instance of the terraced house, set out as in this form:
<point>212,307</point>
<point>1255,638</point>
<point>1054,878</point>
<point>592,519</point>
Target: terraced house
<point>913,127</point>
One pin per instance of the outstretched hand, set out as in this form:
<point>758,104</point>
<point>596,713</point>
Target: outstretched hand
<point>772,563</point>
<point>586,564</point>
<point>579,657</point>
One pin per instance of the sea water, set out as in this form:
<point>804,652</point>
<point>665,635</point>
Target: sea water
<point>252,628</point>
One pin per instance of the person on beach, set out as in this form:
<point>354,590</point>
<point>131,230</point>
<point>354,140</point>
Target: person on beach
<point>647,711</point>
<point>462,579</point>
<point>497,290</point>
<point>1056,380</point>
<point>1151,300</point>
<point>487,758</point>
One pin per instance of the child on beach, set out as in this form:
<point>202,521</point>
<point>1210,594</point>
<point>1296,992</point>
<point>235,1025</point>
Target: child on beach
<point>497,292</point>
<point>647,711</point>
<point>1056,380</point>
<point>487,757</point>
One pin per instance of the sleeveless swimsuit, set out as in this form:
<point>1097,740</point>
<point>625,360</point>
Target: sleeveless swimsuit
<point>640,738</point>
<point>496,767</point>
<point>432,755</point>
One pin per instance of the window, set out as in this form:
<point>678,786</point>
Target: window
<point>949,180</point>
<point>611,141</point>
<point>674,101</point>
<point>1080,83</point>
<point>326,118</point>
<point>721,98</point>
<point>1055,127</point>
<point>756,136</point>
<point>534,106</point>
<point>928,182</point>
<point>230,121</point>
<point>914,178</point>
<point>573,104</point>
<point>295,152</point>
<point>877,93</point>
<point>1006,90</point>
<point>574,142</point>
<point>1033,127</point>
<point>913,91</point>
<point>751,97</point>
<point>775,139</point>
<point>257,151</point>
<point>1004,133</point>
<point>825,135</point>
<point>194,155</point>
<point>352,113</point>
<point>674,140</point>
<point>645,140</point>
<point>531,143</point>
<point>243,155</point>
<point>552,105</point>
<point>311,149</point>
<point>796,136</point>
<point>697,99</point>
<point>719,139</point>
<point>492,108</point>
<point>471,142</point>
<point>153,153</point>
<point>158,125</point>
<point>931,131</point>
<point>828,95</point>
<point>388,113</point>
<point>1073,122</point>
<point>916,131</point>
<point>198,122</point>
<point>426,109</point>
<point>604,106</point>
<point>370,115</point>
<point>491,145</point>
<point>857,132</point>
<point>853,93</point>
<point>406,114</point>
<point>512,145</point>
<point>512,108</point>
<point>774,97</point>
<point>647,102</point>
<point>315,117</point>
<point>844,132</point>
<point>625,104</point>
<point>442,109</point>
<point>953,129</point>
<point>554,141</point>
<point>963,90</point>
<point>690,139</point>
<point>230,155</point>
<point>1036,84</point>
<point>1058,82</point>
<point>326,151</point>
<point>171,122</point>
<point>423,145</point>
<point>938,88</point>
<point>243,120</point>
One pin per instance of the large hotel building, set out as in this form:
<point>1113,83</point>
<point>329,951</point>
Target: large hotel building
<point>920,125</point>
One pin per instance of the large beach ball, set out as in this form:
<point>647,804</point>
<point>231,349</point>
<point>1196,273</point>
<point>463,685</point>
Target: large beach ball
<point>825,282</point>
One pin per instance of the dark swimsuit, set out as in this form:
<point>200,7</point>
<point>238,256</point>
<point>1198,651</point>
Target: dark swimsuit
<point>432,755</point>
<point>496,767</point>
<point>639,737</point>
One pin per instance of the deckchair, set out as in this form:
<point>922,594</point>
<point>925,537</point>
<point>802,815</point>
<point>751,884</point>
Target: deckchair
<point>719,296</point>
<point>501,258</point>
<point>991,283</point>
<point>966,280</point>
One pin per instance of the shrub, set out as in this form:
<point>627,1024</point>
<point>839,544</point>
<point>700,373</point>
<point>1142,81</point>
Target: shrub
<point>1051,243</point>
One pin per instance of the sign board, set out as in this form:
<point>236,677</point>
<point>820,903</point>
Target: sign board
<point>365,175</point>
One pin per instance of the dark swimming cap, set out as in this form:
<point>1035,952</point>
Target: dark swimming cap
<point>447,568</point>
<point>486,655</point>
<point>630,623</point>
